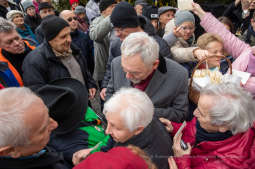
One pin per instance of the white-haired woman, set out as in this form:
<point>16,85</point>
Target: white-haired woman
<point>222,133</point>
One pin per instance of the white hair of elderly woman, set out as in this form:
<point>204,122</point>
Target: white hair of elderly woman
<point>133,105</point>
<point>233,106</point>
<point>14,102</point>
<point>140,43</point>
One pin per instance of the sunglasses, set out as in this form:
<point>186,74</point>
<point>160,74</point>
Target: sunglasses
<point>71,19</point>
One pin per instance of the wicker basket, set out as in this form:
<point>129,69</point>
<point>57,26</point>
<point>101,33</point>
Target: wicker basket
<point>194,93</point>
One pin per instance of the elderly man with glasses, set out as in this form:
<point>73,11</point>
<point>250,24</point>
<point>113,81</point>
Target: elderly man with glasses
<point>13,50</point>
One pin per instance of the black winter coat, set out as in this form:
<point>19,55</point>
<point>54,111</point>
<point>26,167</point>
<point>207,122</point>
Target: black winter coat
<point>41,66</point>
<point>83,41</point>
<point>155,141</point>
<point>4,11</point>
<point>234,13</point>
<point>39,34</point>
<point>48,160</point>
<point>33,22</point>
<point>114,50</point>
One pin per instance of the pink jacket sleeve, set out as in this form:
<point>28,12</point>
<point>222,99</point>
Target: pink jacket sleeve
<point>234,46</point>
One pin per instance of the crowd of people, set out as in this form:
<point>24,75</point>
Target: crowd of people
<point>138,61</point>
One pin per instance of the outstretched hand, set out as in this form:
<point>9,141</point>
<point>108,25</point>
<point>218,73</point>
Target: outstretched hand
<point>196,8</point>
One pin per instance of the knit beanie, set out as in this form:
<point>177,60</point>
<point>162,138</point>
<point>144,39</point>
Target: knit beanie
<point>44,5</point>
<point>73,1</point>
<point>124,16</point>
<point>183,16</point>
<point>12,13</point>
<point>164,9</point>
<point>26,4</point>
<point>140,2</point>
<point>52,25</point>
<point>103,4</point>
<point>79,9</point>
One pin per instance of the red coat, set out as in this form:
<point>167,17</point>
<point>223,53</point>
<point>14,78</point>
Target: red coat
<point>236,152</point>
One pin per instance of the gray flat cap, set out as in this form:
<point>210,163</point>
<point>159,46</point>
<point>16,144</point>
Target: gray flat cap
<point>164,9</point>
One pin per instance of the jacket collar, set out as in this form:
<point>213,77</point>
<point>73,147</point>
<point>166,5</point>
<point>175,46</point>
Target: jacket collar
<point>162,65</point>
<point>49,158</point>
<point>50,54</point>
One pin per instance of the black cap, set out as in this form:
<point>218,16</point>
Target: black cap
<point>52,25</point>
<point>44,5</point>
<point>124,16</point>
<point>105,4</point>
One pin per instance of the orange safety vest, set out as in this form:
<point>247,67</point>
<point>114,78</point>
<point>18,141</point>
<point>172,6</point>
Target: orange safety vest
<point>12,68</point>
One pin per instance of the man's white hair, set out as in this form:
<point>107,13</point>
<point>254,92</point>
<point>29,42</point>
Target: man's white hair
<point>133,105</point>
<point>14,102</point>
<point>6,26</point>
<point>233,106</point>
<point>140,43</point>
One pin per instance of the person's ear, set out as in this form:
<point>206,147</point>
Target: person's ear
<point>155,64</point>
<point>5,151</point>
<point>138,130</point>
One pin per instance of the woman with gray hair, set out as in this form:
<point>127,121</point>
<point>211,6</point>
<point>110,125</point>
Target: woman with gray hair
<point>17,17</point>
<point>222,132</point>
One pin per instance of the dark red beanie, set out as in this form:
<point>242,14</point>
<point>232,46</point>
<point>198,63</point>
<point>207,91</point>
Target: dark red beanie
<point>116,158</point>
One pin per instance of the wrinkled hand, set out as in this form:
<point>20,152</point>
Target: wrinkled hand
<point>172,163</point>
<point>201,54</point>
<point>178,151</point>
<point>80,155</point>
<point>167,124</point>
<point>103,93</point>
<point>177,31</point>
<point>92,93</point>
<point>198,10</point>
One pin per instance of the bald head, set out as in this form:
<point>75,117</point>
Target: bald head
<point>70,17</point>
<point>65,12</point>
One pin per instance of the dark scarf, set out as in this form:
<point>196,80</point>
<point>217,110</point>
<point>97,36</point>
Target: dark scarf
<point>250,33</point>
<point>16,59</point>
<point>203,135</point>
